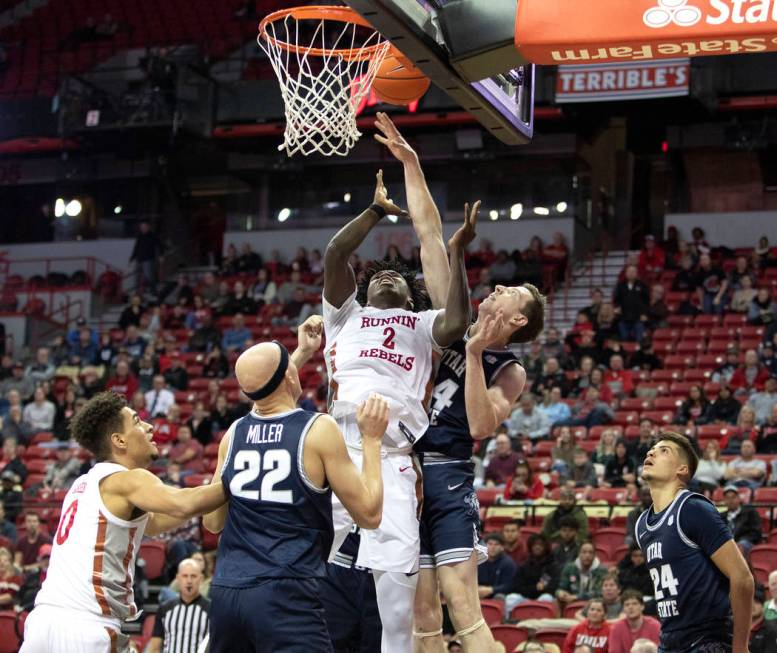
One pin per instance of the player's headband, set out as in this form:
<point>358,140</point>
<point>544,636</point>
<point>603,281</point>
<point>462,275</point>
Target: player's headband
<point>275,380</point>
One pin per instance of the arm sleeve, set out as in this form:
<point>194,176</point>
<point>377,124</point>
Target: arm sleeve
<point>335,318</point>
<point>702,524</point>
<point>427,325</point>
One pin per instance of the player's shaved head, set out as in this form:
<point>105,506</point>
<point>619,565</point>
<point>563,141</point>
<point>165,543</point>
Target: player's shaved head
<point>256,365</point>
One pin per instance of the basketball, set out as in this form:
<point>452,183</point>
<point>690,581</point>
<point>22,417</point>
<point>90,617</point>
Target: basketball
<point>399,82</point>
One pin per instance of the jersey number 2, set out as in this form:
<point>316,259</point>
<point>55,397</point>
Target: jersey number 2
<point>665,580</point>
<point>388,343</point>
<point>277,465</point>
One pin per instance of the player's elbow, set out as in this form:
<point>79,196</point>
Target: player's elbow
<point>212,524</point>
<point>481,431</point>
<point>370,519</point>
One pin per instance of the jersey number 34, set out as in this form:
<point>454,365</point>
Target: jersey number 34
<point>276,468</point>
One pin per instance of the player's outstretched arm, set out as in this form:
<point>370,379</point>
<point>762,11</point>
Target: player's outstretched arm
<point>339,280</point>
<point>729,560</point>
<point>214,521</point>
<point>308,340</point>
<point>452,322</point>
<point>423,211</point>
<point>488,407</point>
<point>360,493</point>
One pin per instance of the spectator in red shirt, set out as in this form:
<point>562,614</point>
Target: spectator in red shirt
<point>651,259</point>
<point>485,255</point>
<point>166,427</point>
<point>502,464</point>
<point>27,547</point>
<point>10,581</point>
<point>593,631</point>
<point>634,626</point>
<point>619,381</point>
<point>513,545</point>
<point>523,484</point>
<point>187,452</point>
<point>557,254</point>
<point>123,382</point>
<point>750,377</point>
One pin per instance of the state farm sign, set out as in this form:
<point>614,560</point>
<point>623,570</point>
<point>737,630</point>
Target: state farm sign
<point>598,31</point>
<point>632,81</point>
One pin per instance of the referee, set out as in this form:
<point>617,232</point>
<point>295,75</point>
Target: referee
<point>182,624</point>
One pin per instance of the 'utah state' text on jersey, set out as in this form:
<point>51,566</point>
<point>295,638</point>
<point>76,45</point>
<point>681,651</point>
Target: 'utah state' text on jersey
<point>691,593</point>
<point>448,432</point>
<point>279,525</point>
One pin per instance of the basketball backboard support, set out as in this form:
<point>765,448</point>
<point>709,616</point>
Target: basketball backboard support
<point>490,80</point>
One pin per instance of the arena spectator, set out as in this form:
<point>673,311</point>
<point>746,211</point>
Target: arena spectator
<point>239,301</point>
<point>766,443</point>
<point>187,451</point>
<point>724,409</point>
<point>686,279</point>
<point>621,470</point>
<point>631,301</point>
<point>10,496</point>
<point>768,358</point>
<point>528,421</point>
<point>65,469</point>
<point>147,253</point>
<point>557,254</point>
<point>40,412</point>
<point>42,369</point>
<point>582,474</point>
<point>534,361</point>
<point>523,485</point>
<point>746,430</point>
<point>495,575</point>
<point>264,289</point>
<point>199,310</point>
<point>742,298</point>
<point>287,289</point>
<point>693,408</point>
<point>74,335</point>
<point>652,259</point>
<point>484,256</point>
<point>200,423</point>
<point>744,522</point>
<point>751,376</point>
<point>583,578</point>
<point>221,415</point>
<point>7,528</point>
<point>205,337</point>
<point>166,427</point>
<point>611,597</point>
<point>146,371</point>
<point>763,633</point>
<point>181,294</point>
<point>483,288</point>
<point>725,370</point>
<point>553,347</point>
<point>770,608</point>
<point>216,364</point>
<point>634,625</point>
<point>19,382</point>
<point>537,579</point>
<point>26,557</point>
<point>762,402</point>
<point>296,310</point>
<point>711,470</point>
<point>762,310</point>
<point>182,624</point>
<point>567,507</point>
<point>552,376</point>
<point>132,313</point>
<point>159,399</point>
<point>605,450</point>
<point>11,462</point>
<point>640,448</point>
<point>553,407</point>
<point>176,375</point>
<point>562,455</point>
<point>592,310</point>
<point>502,463</point>
<point>746,470</point>
<point>238,337</point>
<point>658,311</point>
<point>133,343</point>
<point>590,411</point>
<point>619,380</point>
<point>106,350</point>
<point>123,382</point>
<point>513,545</point>
<point>10,581</point>
<point>208,288</point>
<point>567,548</point>
<point>503,268</point>
<point>712,286</point>
<point>645,501</point>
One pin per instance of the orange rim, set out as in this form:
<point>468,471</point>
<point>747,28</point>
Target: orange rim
<point>326,12</point>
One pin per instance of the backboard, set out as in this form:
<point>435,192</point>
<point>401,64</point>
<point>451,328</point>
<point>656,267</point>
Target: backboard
<point>466,47</point>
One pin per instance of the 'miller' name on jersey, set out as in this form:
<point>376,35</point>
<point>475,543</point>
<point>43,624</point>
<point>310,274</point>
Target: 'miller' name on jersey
<point>668,607</point>
<point>265,433</point>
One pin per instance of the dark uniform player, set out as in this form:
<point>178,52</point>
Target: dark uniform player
<point>279,465</point>
<point>698,573</point>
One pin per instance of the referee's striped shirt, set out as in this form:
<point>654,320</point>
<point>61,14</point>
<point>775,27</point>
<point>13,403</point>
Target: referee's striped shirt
<point>182,626</point>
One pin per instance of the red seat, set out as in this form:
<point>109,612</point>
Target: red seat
<point>716,431</point>
<point>709,361</point>
<point>552,636</point>
<point>681,388</point>
<point>631,403</point>
<point>764,555</point>
<point>154,555</point>
<point>744,493</point>
<point>761,574</point>
<point>9,640</point>
<point>734,319</point>
<point>765,495</point>
<point>544,448</point>
<point>37,466</point>
<point>195,480</point>
<point>33,479</point>
<point>534,610</point>
<point>658,416</point>
<point>678,361</point>
<point>620,552</point>
<point>493,611</point>
<point>626,417</point>
<point>510,636</point>
<point>487,496</point>
<point>631,432</point>
<point>706,321</point>
<point>697,376</point>
<point>723,333</point>
<point>690,347</point>
<point>666,334</point>
<point>596,431</point>
<point>612,495</point>
<point>42,436</point>
<point>679,321</point>
<point>610,538</point>
<point>668,376</point>
<point>571,608</point>
<point>667,403</point>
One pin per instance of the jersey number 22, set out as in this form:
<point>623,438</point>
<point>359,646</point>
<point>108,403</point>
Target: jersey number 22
<point>277,467</point>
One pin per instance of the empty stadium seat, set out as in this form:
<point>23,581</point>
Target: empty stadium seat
<point>764,555</point>
<point>534,610</point>
<point>154,554</point>
<point>551,636</point>
<point>493,611</point>
<point>658,416</point>
<point>626,417</point>
<point>510,636</point>
<point>570,609</point>
<point>9,640</point>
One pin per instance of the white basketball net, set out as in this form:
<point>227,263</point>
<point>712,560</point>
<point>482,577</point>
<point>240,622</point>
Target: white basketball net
<point>322,90</point>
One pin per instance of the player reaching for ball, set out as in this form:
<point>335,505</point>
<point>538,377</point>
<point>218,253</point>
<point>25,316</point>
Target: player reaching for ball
<point>88,588</point>
<point>699,575</point>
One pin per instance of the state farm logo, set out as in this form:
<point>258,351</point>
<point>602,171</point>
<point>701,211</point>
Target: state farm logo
<point>667,12</point>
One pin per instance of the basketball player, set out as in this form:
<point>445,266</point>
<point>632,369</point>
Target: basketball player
<point>478,382</point>
<point>88,588</point>
<point>699,576</point>
<point>375,341</point>
<point>280,465</point>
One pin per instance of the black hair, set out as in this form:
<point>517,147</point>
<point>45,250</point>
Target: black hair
<point>632,595</point>
<point>93,424</point>
<point>568,521</point>
<point>418,293</point>
<point>495,536</point>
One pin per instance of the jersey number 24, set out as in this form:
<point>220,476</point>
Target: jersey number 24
<point>664,581</point>
<point>277,467</point>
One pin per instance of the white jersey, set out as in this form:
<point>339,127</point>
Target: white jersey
<point>388,351</point>
<point>92,565</point>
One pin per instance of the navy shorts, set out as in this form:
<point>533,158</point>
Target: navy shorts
<point>279,615</point>
<point>450,520</point>
<point>351,609</point>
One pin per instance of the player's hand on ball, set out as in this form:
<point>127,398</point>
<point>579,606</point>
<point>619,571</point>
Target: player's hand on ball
<point>310,333</point>
<point>382,198</point>
<point>487,333</point>
<point>393,140</point>
<point>466,232</point>
<point>372,417</point>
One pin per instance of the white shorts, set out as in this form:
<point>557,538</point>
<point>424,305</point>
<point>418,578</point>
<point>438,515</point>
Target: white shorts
<point>54,630</point>
<point>395,545</point>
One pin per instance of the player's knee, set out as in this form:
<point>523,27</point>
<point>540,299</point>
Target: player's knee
<point>427,616</point>
<point>463,608</point>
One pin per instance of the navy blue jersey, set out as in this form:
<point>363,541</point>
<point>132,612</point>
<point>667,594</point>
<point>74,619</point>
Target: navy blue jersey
<point>279,525</point>
<point>692,594</point>
<point>448,432</point>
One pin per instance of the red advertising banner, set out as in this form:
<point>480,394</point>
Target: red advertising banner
<point>622,81</point>
<point>599,31</point>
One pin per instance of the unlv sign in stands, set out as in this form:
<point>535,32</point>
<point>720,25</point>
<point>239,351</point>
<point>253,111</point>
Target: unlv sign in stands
<point>598,31</point>
<point>619,81</point>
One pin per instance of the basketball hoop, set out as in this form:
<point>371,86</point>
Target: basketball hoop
<point>324,73</point>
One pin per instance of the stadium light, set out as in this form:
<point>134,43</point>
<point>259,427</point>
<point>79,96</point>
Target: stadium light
<point>347,197</point>
<point>59,207</point>
<point>73,208</point>
<point>516,211</point>
<point>541,210</point>
<point>561,207</point>
<point>284,214</point>
<point>118,209</point>
<point>493,214</point>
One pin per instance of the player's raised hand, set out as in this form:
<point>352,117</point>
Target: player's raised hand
<point>487,333</point>
<point>310,333</point>
<point>382,198</point>
<point>465,234</point>
<point>393,140</point>
<point>372,417</point>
